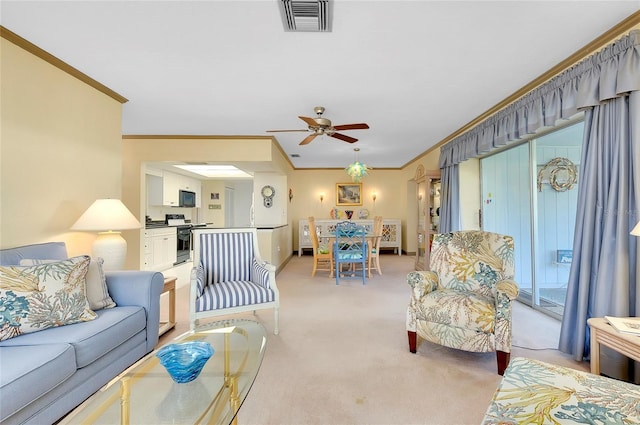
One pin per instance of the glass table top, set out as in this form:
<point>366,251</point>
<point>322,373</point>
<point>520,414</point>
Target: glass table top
<point>146,394</point>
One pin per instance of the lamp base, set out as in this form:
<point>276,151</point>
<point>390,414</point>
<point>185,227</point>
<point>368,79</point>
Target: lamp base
<point>112,247</point>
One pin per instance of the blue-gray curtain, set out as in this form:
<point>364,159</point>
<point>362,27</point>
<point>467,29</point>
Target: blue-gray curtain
<point>605,268</point>
<point>604,275</point>
<point>450,210</point>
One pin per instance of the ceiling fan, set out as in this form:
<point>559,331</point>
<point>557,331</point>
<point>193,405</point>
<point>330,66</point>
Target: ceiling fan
<point>320,126</point>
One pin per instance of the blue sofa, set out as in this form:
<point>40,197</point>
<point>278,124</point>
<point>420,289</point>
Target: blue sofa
<point>46,374</point>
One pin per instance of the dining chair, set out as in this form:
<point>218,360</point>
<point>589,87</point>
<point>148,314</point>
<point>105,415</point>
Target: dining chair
<point>350,247</point>
<point>373,257</point>
<point>322,254</point>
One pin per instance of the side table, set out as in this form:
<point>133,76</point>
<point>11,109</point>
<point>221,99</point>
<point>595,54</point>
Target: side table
<point>170,287</point>
<point>602,333</point>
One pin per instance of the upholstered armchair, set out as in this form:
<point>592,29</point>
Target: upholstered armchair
<point>229,276</point>
<point>464,301</point>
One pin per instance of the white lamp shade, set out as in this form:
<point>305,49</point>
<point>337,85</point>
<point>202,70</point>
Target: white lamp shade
<point>636,230</point>
<point>106,214</point>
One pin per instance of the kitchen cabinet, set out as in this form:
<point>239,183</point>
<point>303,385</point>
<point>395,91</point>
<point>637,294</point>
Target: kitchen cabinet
<point>192,185</point>
<point>428,194</point>
<point>160,248</point>
<point>164,189</point>
<point>170,187</point>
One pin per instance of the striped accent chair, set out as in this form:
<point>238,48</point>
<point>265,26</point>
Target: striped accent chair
<point>229,276</point>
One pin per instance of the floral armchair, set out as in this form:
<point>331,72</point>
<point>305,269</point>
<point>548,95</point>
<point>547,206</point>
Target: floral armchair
<point>464,302</point>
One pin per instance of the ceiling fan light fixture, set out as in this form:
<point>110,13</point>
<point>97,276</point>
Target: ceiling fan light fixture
<point>320,126</point>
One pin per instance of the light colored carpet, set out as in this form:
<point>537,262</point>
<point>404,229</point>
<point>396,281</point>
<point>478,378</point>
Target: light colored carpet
<point>342,355</point>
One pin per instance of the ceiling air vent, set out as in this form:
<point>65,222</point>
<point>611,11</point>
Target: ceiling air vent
<point>306,15</point>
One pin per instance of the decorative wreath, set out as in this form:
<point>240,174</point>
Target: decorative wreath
<point>563,174</point>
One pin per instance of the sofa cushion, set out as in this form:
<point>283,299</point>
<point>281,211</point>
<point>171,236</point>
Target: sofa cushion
<point>233,294</point>
<point>95,282</point>
<point>27,373</point>
<point>43,296</point>
<point>91,340</point>
<point>460,309</point>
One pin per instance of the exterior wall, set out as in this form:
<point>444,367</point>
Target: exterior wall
<point>60,151</point>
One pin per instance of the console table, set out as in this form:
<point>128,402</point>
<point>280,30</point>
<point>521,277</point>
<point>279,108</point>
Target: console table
<point>391,232</point>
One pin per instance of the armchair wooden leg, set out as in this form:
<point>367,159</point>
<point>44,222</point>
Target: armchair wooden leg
<point>413,339</point>
<point>503,361</point>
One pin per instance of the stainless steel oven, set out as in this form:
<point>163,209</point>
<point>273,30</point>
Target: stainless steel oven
<point>185,240</point>
<point>184,244</point>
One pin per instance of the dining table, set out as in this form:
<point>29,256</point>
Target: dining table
<point>329,238</point>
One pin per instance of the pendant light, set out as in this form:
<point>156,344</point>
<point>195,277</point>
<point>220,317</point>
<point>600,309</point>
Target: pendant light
<point>357,170</point>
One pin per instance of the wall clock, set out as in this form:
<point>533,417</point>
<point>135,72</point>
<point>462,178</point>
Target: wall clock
<point>267,193</point>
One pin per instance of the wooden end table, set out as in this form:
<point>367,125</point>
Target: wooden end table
<point>602,333</point>
<point>170,287</point>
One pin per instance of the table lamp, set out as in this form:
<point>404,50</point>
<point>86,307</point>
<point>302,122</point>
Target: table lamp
<point>636,230</point>
<point>107,217</point>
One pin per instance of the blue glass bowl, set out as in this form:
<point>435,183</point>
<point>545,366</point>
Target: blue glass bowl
<point>184,361</point>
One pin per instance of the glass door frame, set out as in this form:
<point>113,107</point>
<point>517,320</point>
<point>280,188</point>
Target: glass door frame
<point>531,298</point>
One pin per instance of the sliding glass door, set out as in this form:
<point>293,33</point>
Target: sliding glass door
<point>530,192</point>
<point>506,205</point>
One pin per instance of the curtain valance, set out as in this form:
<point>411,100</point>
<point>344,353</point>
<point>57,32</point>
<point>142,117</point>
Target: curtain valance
<point>613,71</point>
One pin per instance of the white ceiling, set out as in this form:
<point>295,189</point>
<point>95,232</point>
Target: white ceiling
<point>415,71</point>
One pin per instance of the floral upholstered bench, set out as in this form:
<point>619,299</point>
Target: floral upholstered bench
<point>535,392</point>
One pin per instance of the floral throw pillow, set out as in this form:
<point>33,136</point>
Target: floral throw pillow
<point>42,296</point>
<point>96,283</point>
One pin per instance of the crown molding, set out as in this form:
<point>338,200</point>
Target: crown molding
<point>63,66</point>
<point>629,23</point>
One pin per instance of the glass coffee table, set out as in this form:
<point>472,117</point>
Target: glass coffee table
<point>146,394</point>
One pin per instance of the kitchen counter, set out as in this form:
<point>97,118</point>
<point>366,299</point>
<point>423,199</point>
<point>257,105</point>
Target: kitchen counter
<point>155,225</point>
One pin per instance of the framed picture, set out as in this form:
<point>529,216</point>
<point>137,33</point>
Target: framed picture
<point>348,194</point>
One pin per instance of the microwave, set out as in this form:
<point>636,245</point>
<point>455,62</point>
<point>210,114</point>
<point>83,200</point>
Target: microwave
<point>187,199</point>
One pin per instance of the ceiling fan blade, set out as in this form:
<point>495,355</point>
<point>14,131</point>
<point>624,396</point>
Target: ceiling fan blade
<point>359,126</point>
<point>343,137</point>
<point>284,131</point>
<point>308,139</point>
<point>310,121</point>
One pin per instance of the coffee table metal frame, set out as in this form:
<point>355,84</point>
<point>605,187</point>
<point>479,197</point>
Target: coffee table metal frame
<point>239,349</point>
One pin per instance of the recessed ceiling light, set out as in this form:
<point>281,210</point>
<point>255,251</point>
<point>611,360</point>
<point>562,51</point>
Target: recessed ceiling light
<point>216,171</point>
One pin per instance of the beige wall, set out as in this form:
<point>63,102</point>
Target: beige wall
<point>60,149</point>
<point>395,195</point>
<point>217,217</point>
